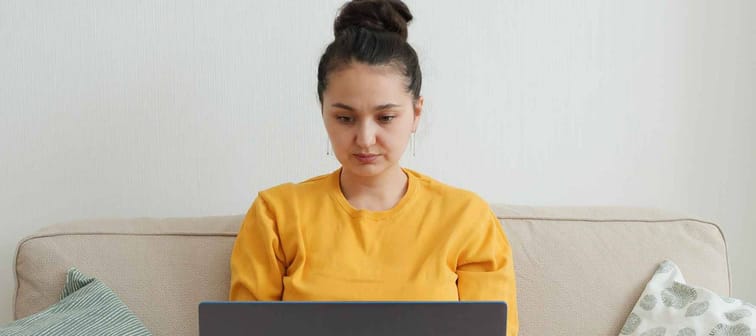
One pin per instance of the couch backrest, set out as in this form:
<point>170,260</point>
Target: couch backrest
<point>579,270</point>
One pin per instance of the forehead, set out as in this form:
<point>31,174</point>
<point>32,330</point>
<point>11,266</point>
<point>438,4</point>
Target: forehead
<point>359,83</point>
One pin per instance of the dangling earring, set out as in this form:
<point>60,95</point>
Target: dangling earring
<point>328,147</point>
<point>413,144</point>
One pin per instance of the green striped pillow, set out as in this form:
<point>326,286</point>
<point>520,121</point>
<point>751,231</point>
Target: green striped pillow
<point>86,307</point>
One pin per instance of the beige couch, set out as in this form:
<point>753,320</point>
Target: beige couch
<point>579,270</point>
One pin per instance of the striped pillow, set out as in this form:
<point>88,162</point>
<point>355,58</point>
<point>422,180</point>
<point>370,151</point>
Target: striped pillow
<point>86,307</point>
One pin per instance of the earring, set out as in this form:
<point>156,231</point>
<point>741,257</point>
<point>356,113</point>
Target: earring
<point>328,147</point>
<point>413,144</point>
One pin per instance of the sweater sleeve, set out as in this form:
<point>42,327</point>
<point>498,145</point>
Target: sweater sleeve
<point>257,259</point>
<point>485,271</point>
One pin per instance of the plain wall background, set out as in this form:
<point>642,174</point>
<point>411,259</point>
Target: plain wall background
<point>188,108</point>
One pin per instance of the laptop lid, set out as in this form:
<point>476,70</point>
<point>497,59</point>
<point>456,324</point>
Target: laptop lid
<point>353,318</point>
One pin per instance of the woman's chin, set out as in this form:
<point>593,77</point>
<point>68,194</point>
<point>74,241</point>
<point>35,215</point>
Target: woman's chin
<point>365,170</point>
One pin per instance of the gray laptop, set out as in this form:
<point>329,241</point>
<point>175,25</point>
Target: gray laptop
<point>352,318</point>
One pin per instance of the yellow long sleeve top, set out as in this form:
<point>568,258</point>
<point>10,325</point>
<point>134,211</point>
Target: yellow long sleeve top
<point>305,242</point>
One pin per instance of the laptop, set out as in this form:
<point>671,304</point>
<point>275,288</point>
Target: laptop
<point>317,318</point>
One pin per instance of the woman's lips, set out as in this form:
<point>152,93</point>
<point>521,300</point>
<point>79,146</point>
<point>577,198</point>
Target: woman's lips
<point>366,158</point>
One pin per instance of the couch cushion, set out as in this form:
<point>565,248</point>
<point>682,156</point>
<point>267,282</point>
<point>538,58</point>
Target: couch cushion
<point>160,268</point>
<point>579,270</point>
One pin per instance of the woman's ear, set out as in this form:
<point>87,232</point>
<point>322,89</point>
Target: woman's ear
<point>418,111</point>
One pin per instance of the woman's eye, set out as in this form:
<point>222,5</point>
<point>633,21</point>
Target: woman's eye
<point>387,118</point>
<point>344,119</point>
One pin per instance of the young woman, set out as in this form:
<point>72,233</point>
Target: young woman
<point>371,230</point>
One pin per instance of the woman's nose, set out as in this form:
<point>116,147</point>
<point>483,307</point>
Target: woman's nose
<point>366,134</point>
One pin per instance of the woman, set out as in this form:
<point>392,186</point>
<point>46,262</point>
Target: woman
<point>371,230</point>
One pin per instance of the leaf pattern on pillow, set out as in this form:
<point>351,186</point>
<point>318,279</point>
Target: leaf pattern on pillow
<point>725,330</point>
<point>648,302</point>
<point>686,332</point>
<point>728,299</point>
<point>660,331</point>
<point>687,310</point>
<point>631,324</point>
<point>737,314</point>
<point>697,308</point>
<point>679,295</point>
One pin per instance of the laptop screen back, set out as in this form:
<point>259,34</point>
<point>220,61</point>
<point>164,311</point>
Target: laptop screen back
<point>353,318</point>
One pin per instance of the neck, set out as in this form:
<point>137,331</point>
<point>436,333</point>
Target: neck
<point>380,192</point>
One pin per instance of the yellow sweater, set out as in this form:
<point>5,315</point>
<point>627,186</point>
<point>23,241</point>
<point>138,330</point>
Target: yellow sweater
<point>305,242</point>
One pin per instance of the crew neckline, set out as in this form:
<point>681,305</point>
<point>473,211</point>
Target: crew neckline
<point>339,197</point>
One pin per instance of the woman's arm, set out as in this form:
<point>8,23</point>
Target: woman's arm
<point>257,259</point>
<point>485,271</point>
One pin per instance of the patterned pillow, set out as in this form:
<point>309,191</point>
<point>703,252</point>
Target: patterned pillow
<point>86,307</point>
<point>670,307</point>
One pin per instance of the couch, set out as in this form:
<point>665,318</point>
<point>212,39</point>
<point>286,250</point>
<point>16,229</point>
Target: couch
<point>579,270</point>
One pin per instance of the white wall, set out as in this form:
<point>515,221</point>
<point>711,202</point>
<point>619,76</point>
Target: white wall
<point>187,108</point>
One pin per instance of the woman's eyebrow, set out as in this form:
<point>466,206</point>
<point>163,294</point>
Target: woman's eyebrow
<point>377,108</point>
<point>385,106</point>
<point>343,106</point>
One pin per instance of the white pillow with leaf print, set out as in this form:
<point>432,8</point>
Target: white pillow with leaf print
<point>670,307</point>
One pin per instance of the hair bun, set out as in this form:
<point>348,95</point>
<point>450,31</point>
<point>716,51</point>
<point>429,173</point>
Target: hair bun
<point>378,15</point>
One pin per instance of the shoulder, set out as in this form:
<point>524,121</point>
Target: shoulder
<point>288,192</point>
<point>461,212</point>
<point>449,196</point>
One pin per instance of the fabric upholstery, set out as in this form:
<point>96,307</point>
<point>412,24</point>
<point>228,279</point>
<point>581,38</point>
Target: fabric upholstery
<point>579,270</point>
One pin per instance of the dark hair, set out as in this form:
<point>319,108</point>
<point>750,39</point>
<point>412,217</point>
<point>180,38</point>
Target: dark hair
<point>373,32</point>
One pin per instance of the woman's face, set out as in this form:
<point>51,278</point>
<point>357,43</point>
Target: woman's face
<point>369,117</point>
